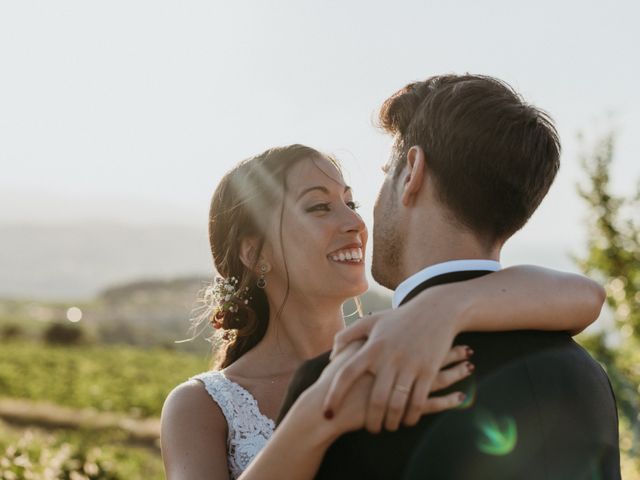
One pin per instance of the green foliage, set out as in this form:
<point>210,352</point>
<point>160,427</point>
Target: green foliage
<point>613,257</point>
<point>107,378</point>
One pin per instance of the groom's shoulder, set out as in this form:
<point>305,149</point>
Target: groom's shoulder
<point>534,349</point>
<point>537,356</point>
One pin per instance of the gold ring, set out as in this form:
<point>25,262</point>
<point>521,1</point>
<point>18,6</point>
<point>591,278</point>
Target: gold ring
<point>402,389</point>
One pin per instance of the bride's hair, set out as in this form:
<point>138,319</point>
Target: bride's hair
<point>240,208</point>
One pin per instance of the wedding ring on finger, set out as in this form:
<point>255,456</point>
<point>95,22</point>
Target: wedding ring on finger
<point>402,389</point>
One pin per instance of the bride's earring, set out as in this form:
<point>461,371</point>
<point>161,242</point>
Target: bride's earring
<point>261,283</point>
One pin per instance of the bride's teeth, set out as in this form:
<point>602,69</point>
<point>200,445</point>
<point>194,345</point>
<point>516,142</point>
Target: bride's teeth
<point>354,255</point>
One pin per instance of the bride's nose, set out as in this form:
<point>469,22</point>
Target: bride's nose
<point>352,222</point>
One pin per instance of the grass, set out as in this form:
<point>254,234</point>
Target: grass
<point>123,379</point>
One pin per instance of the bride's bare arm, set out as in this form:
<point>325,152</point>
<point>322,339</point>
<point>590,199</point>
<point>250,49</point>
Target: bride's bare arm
<point>526,297</point>
<point>409,342</point>
<point>193,435</point>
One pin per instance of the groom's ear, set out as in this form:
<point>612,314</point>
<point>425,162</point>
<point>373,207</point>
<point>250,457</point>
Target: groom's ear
<point>414,175</point>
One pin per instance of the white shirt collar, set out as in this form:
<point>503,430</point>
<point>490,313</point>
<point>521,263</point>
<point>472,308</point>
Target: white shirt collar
<point>438,269</point>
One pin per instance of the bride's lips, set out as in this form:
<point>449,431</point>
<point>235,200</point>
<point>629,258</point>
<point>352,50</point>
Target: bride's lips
<point>350,254</point>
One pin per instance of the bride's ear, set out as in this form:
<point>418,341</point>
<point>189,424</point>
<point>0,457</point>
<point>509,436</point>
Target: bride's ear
<point>249,248</point>
<point>249,252</point>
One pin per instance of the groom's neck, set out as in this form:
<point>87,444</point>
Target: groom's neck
<point>430,247</point>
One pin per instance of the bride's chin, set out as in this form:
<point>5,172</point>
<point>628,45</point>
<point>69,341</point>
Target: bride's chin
<point>357,291</point>
<point>364,287</point>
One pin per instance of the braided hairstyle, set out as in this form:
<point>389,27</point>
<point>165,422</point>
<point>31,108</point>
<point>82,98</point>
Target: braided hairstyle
<point>254,187</point>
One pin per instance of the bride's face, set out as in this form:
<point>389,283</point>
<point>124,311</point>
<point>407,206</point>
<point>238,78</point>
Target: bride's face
<point>323,237</point>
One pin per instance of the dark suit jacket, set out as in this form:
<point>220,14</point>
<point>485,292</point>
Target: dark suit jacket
<point>540,408</point>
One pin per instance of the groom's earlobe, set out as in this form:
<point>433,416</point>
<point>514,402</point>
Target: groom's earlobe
<point>413,181</point>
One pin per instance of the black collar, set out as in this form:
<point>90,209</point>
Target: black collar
<point>449,277</point>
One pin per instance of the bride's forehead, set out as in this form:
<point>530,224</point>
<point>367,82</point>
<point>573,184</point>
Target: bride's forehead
<point>317,171</point>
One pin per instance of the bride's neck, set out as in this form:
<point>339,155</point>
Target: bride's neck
<point>301,331</point>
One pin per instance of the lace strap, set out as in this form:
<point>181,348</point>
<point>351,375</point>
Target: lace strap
<point>232,399</point>
<point>248,428</point>
<point>217,386</point>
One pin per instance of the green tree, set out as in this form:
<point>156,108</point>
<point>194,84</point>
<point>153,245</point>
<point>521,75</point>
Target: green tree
<point>613,258</point>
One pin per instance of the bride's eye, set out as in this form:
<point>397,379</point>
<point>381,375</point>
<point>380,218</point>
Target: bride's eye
<point>353,205</point>
<point>320,207</point>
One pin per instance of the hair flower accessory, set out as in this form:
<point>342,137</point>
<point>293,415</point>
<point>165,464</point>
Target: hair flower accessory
<point>223,294</point>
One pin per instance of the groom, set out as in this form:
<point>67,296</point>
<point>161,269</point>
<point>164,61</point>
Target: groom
<point>471,162</point>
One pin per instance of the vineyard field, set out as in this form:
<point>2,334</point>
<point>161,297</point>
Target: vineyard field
<point>123,379</point>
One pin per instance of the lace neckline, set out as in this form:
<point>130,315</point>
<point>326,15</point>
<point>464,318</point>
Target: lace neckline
<point>250,399</point>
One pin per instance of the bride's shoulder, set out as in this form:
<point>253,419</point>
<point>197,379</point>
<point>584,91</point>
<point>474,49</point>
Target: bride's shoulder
<point>190,403</point>
<point>193,433</point>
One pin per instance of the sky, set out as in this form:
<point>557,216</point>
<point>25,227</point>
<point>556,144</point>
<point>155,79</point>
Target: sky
<point>133,110</point>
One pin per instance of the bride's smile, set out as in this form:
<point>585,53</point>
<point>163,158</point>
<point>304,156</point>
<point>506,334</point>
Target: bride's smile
<point>349,254</point>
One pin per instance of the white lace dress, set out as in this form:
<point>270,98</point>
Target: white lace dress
<point>248,428</point>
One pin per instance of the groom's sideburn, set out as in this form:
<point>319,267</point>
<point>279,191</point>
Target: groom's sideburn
<point>529,415</point>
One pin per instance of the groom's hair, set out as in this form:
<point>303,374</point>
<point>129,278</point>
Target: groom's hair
<point>493,156</point>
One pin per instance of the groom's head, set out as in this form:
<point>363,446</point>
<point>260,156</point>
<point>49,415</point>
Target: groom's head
<point>470,157</point>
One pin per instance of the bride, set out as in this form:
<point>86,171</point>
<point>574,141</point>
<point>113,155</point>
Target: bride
<point>289,244</point>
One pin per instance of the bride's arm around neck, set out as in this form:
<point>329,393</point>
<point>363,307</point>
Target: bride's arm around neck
<point>193,435</point>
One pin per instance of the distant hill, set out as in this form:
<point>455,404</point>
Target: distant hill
<point>79,259</point>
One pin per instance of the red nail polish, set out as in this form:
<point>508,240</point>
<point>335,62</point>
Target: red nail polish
<point>328,414</point>
<point>461,397</point>
<point>471,367</point>
<point>469,352</point>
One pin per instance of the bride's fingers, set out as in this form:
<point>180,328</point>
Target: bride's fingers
<point>449,376</point>
<point>379,398</point>
<point>421,389</point>
<point>456,354</point>
<point>424,386</point>
<point>446,402</point>
<point>400,396</point>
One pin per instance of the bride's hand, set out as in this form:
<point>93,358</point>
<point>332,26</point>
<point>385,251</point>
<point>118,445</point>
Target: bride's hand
<point>356,409</point>
<point>399,351</point>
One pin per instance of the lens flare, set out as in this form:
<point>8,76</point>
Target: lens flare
<point>498,435</point>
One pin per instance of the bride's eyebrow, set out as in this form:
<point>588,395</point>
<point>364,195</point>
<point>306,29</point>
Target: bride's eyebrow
<point>319,188</point>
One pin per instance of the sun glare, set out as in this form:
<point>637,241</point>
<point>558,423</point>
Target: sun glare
<point>74,314</point>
